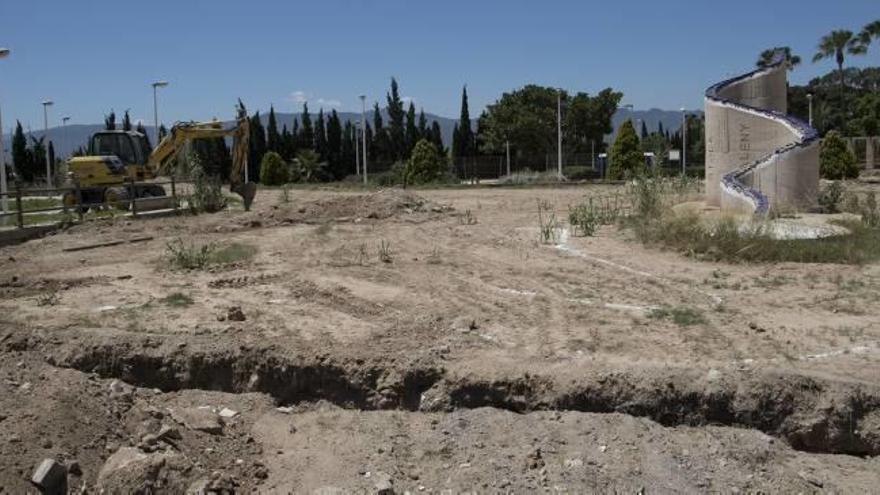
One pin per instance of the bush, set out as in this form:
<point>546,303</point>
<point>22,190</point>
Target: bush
<point>580,173</point>
<point>836,161</point>
<point>273,170</point>
<point>207,195</point>
<point>308,167</point>
<point>194,256</point>
<point>830,197</point>
<point>425,164</point>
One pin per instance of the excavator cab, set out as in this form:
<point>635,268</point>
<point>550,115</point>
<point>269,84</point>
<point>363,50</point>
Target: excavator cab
<point>132,148</point>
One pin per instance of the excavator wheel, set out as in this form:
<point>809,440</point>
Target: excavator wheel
<point>117,197</point>
<point>69,201</point>
<point>247,191</point>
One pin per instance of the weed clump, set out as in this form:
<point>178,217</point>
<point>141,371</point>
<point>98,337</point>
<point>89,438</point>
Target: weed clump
<point>194,256</point>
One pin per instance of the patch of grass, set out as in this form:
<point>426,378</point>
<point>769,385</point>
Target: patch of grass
<point>384,253</point>
<point>36,202</point>
<point>468,218</point>
<point>681,316</point>
<point>726,240</point>
<point>199,256</point>
<point>177,299</point>
<point>548,226</point>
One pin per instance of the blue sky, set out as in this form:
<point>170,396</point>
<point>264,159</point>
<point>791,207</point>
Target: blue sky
<point>91,56</point>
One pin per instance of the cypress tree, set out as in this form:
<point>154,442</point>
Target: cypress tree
<point>660,128</point>
<point>143,130</point>
<point>256,145</point>
<point>294,138</point>
<point>21,159</point>
<point>273,139</point>
<point>456,141</point>
<point>110,121</point>
<point>437,137</point>
<point>52,158</point>
<point>412,132</point>
<point>644,130</point>
<point>306,133</point>
<point>380,148</point>
<point>463,140</point>
<point>334,146</point>
<point>162,131</point>
<point>321,136</point>
<point>347,149</point>
<point>423,124</point>
<point>396,134</point>
<point>126,121</point>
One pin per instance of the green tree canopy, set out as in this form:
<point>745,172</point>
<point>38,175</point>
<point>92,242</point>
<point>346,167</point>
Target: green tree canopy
<point>766,57</point>
<point>425,164</point>
<point>626,155</point>
<point>273,170</point>
<point>836,161</point>
<point>837,44</point>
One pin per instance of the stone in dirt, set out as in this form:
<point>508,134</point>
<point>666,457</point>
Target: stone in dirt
<point>227,413</point>
<point>50,477</point>
<point>235,314</point>
<point>121,390</point>
<point>129,470</point>
<point>198,419</point>
<point>384,484</point>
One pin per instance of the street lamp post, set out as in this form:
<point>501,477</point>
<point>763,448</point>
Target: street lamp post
<point>156,85</point>
<point>46,105</point>
<point>364,133</point>
<point>4,52</point>
<point>810,100</point>
<point>683,142</point>
<point>559,134</point>
<point>64,128</point>
<point>357,149</point>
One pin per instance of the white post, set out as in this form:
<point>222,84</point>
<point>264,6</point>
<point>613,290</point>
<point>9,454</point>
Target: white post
<point>4,52</point>
<point>559,133</point>
<point>684,146</point>
<point>162,84</point>
<point>357,151</point>
<point>364,133</point>
<point>507,147</point>
<point>810,100</point>
<point>64,128</point>
<point>3,188</point>
<point>46,105</point>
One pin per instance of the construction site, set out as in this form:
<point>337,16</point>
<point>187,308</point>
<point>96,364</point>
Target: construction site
<point>428,340</point>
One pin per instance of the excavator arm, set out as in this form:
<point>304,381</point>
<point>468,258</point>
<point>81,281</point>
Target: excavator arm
<point>182,132</point>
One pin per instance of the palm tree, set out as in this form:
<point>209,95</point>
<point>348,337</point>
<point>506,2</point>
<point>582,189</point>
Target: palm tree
<point>869,33</point>
<point>837,44</point>
<point>767,57</point>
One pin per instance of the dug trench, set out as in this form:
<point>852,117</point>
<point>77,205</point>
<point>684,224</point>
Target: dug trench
<point>811,413</point>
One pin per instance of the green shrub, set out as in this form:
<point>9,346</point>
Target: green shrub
<point>273,170</point>
<point>194,256</point>
<point>579,173</point>
<point>626,155</point>
<point>830,197</point>
<point>584,219</point>
<point>308,167</point>
<point>425,164</point>
<point>836,161</point>
<point>207,195</point>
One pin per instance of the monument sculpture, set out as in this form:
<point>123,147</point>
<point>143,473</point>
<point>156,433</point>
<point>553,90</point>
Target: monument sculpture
<point>758,158</point>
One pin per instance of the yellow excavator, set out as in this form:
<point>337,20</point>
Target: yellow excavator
<point>121,162</point>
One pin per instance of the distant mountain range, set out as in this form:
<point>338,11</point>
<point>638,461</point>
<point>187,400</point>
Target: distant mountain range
<point>68,138</point>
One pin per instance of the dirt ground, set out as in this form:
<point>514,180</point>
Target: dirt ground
<point>428,341</point>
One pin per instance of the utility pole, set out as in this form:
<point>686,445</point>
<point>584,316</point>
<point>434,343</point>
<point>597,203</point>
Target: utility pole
<point>64,128</point>
<point>559,133</point>
<point>46,105</point>
<point>684,146</point>
<point>364,133</point>
<point>4,52</point>
<point>156,85</point>
<point>357,150</point>
<point>507,147</point>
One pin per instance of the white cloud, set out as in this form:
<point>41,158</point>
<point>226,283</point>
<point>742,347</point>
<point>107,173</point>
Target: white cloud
<point>329,103</point>
<point>298,96</point>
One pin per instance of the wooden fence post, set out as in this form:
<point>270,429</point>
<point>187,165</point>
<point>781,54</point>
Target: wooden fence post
<point>174,193</point>
<point>19,215</point>
<point>132,195</point>
<point>79,198</point>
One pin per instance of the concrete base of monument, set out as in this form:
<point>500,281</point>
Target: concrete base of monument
<point>789,227</point>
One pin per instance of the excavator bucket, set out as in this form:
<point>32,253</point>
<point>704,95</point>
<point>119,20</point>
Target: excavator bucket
<point>247,191</point>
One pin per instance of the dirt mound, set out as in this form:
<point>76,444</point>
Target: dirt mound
<point>379,205</point>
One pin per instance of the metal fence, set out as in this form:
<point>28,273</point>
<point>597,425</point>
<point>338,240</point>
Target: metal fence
<point>17,197</point>
<point>496,166</point>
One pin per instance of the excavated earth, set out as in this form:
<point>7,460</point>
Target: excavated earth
<point>426,342</point>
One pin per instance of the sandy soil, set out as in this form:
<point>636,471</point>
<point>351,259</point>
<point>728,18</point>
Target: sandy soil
<point>467,355</point>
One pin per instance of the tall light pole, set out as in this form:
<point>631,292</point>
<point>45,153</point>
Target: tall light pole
<point>364,134</point>
<point>559,133</point>
<point>156,85</point>
<point>684,141</point>
<point>64,128</point>
<point>4,52</point>
<point>810,100</point>
<point>357,149</point>
<point>46,105</point>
